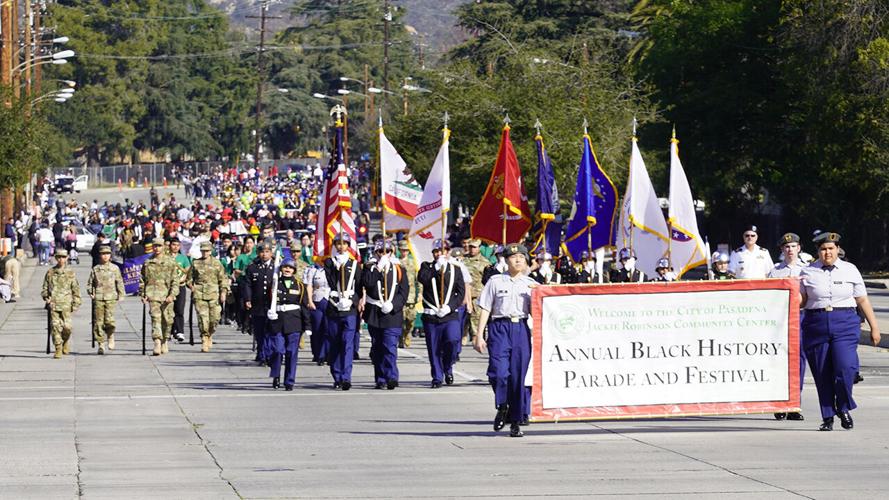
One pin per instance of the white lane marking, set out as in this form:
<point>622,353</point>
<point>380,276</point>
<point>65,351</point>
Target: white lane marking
<point>270,394</point>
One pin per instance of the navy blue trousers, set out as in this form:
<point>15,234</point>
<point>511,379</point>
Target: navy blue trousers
<point>284,347</point>
<point>442,347</point>
<point>260,325</point>
<point>384,353</point>
<point>831,345</point>
<point>319,341</point>
<point>509,352</point>
<point>341,333</point>
<point>461,313</point>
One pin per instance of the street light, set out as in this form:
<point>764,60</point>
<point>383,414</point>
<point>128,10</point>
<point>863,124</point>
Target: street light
<point>375,90</point>
<point>61,39</point>
<point>56,58</point>
<point>323,96</point>
<point>63,54</point>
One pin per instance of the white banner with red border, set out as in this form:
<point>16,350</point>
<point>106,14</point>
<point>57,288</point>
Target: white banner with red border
<point>665,349</point>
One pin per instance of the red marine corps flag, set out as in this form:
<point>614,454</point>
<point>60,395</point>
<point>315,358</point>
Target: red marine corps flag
<point>502,214</point>
<point>335,210</point>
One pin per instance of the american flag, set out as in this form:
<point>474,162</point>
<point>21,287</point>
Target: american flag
<point>335,211</point>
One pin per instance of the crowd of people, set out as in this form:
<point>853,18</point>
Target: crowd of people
<point>241,242</point>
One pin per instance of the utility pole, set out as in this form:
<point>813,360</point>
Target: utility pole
<point>16,90</point>
<point>28,39</point>
<point>366,86</point>
<point>7,50</point>
<point>260,81</point>
<point>37,69</point>
<point>387,18</point>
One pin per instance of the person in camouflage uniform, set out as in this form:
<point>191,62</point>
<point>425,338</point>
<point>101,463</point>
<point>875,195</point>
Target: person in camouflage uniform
<point>476,263</point>
<point>209,285</point>
<point>61,292</point>
<point>410,306</point>
<point>159,286</point>
<point>105,287</point>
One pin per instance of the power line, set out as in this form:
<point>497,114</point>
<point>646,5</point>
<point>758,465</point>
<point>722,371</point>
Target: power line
<point>233,51</point>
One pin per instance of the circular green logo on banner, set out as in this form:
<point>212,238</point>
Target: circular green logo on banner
<point>568,321</point>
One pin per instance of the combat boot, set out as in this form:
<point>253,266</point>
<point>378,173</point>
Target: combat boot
<point>165,347</point>
<point>101,348</point>
<point>66,347</point>
<point>110,341</point>
<point>205,344</point>
<point>157,347</point>
<point>58,353</point>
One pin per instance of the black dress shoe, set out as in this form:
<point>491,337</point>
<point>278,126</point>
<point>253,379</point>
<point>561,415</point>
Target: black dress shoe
<point>524,421</point>
<point>780,416</point>
<point>347,385</point>
<point>795,415</point>
<point>436,385</point>
<point>392,384</point>
<point>379,385</point>
<point>288,387</point>
<point>337,385</point>
<point>846,420</point>
<point>356,357</point>
<point>319,363</point>
<point>826,424</point>
<point>500,417</point>
<point>449,379</point>
<point>515,431</point>
<point>858,378</point>
<point>276,382</point>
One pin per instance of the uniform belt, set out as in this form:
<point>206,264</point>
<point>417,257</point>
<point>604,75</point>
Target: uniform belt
<point>511,319</point>
<point>287,307</point>
<point>831,308</point>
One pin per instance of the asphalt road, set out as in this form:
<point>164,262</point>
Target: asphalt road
<point>193,425</point>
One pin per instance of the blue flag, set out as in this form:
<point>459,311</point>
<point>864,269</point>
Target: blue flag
<point>605,203</point>
<point>547,220</point>
<point>581,227</point>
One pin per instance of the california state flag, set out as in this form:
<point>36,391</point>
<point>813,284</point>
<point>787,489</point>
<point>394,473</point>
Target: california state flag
<point>434,205</point>
<point>401,192</point>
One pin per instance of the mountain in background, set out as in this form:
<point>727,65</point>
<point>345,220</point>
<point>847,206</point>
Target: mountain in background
<point>433,20</point>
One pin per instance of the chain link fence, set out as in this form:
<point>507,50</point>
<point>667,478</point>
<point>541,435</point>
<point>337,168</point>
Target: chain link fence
<point>150,174</point>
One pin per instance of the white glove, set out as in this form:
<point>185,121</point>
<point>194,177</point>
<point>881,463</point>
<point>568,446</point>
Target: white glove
<point>272,314</point>
<point>387,307</point>
<point>443,311</point>
<point>344,304</point>
<point>308,333</point>
<point>441,262</point>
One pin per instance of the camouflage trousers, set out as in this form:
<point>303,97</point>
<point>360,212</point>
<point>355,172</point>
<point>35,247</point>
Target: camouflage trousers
<point>161,319</point>
<point>208,316</point>
<point>60,325</point>
<point>103,325</point>
<point>471,326</point>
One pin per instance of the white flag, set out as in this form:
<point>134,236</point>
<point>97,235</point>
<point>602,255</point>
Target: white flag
<point>434,206</point>
<point>401,192</point>
<point>687,246</point>
<point>642,224</point>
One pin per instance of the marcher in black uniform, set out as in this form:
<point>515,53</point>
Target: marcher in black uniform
<point>664,271</point>
<point>443,293</point>
<point>344,278</point>
<point>545,274</point>
<point>588,272</point>
<point>257,297</point>
<point>566,270</point>
<point>385,290</point>
<point>720,267</point>
<point>291,320</point>
<point>627,272</point>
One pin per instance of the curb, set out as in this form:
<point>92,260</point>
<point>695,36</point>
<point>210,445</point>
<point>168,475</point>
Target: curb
<point>875,284</point>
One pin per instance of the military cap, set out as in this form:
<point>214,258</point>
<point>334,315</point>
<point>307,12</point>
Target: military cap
<point>752,228</point>
<point>104,249</point>
<point>342,237</point>
<point>289,263</point>
<point>516,248</point>
<point>721,257</point>
<point>626,253</point>
<point>439,245</point>
<point>263,247</point>
<point>498,250</point>
<point>403,245</point>
<point>158,242</point>
<point>206,246</point>
<point>789,238</point>
<point>662,263</point>
<point>171,239</point>
<point>826,237</point>
<point>475,242</point>
<point>545,256</point>
<point>585,255</point>
<point>457,252</point>
<point>61,252</point>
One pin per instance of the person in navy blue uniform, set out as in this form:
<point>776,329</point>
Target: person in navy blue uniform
<point>627,272</point>
<point>289,321</point>
<point>443,294</point>
<point>830,291</point>
<point>506,301</point>
<point>385,288</point>
<point>344,279</point>
<point>315,280</point>
<point>257,297</point>
<point>791,267</point>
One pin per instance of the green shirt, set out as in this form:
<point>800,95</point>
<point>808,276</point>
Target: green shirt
<point>243,261</point>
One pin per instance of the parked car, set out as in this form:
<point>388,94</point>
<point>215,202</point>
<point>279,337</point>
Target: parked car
<point>85,239</point>
<point>69,184</point>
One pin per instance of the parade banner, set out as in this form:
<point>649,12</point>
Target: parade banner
<point>665,349</point>
<point>131,269</point>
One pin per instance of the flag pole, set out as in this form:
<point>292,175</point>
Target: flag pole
<point>382,188</point>
<point>444,214</point>
<point>630,217</point>
<point>670,219</point>
<point>506,122</point>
